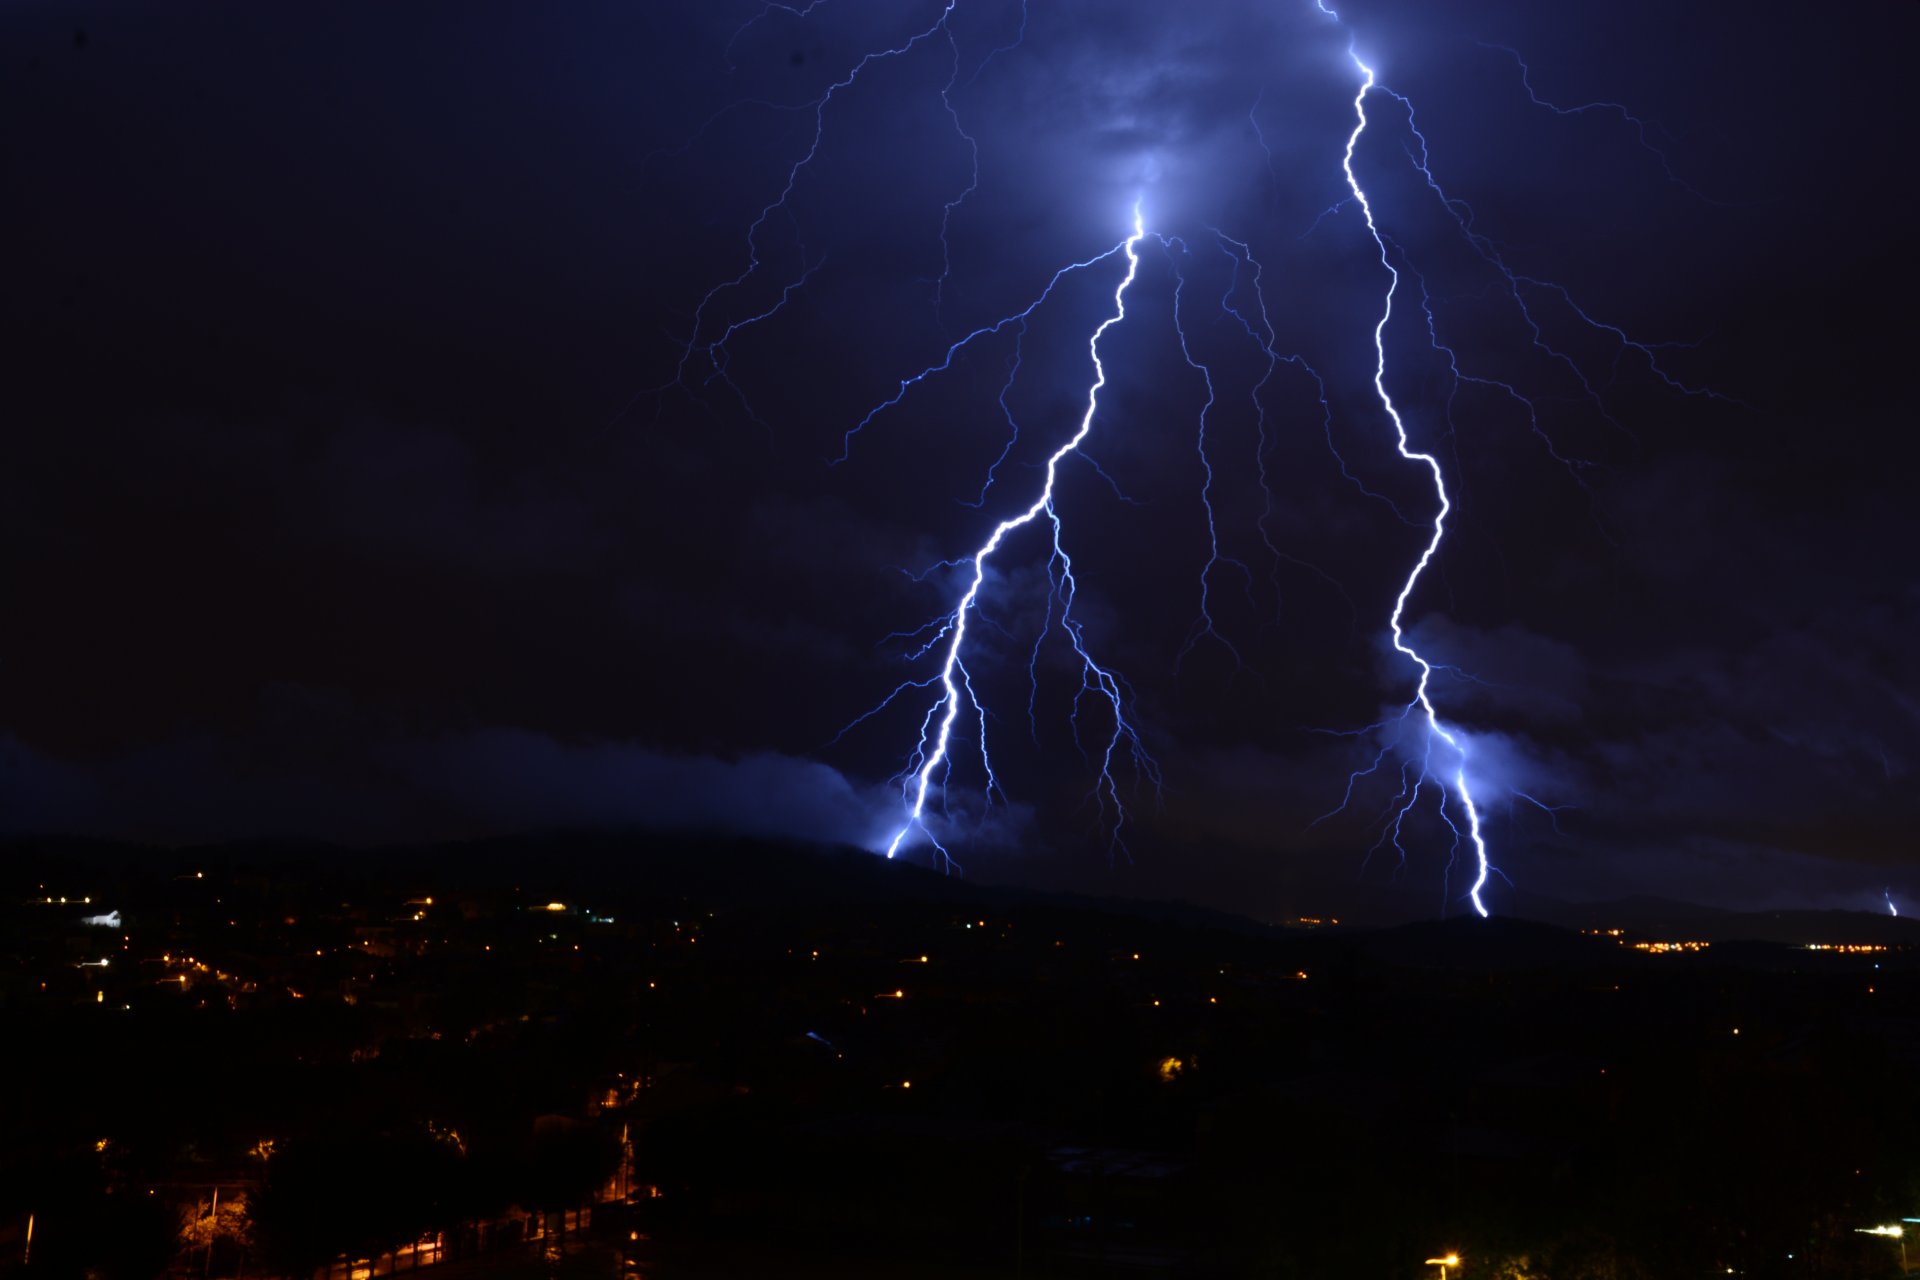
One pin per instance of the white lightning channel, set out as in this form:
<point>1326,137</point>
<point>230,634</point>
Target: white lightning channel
<point>950,697</point>
<point>1421,697</point>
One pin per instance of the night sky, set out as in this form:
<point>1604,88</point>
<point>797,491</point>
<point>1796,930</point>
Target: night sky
<point>350,492</point>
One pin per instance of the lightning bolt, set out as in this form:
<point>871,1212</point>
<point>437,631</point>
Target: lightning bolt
<point>1455,764</point>
<point>936,738</point>
<point>1434,755</point>
<point>1438,753</point>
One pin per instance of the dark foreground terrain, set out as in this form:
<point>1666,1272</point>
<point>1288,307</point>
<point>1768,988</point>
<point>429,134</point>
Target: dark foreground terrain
<point>607,1055</point>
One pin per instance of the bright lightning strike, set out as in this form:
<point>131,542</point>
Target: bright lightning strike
<point>1433,754</point>
<point>1422,700</point>
<point>932,757</point>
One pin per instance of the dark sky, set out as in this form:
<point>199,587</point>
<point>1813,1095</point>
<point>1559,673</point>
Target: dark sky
<point>348,492</point>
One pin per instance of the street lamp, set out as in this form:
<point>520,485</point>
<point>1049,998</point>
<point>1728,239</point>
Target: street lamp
<point>1451,1260</point>
<point>1895,1232</point>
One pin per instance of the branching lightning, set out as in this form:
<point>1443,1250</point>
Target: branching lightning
<point>714,350</point>
<point>1422,702</point>
<point>1439,753</point>
<point>1204,627</point>
<point>932,752</point>
<point>1644,129</point>
<point>1432,757</point>
<point>1264,337</point>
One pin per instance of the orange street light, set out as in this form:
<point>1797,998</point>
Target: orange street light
<point>1451,1260</point>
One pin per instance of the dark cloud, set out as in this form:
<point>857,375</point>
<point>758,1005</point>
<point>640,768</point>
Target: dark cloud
<point>520,780</point>
<point>447,787</point>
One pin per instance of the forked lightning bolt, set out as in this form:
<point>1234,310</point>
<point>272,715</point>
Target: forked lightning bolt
<point>931,756</point>
<point>1422,700</point>
<point>1434,755</point>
